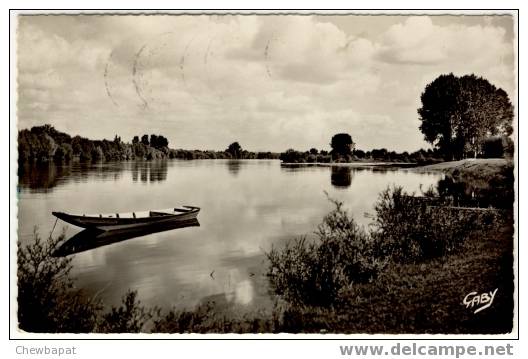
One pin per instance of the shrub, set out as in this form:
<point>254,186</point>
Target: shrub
<point>130,317</point>
<point>47,302</point>
<point>208,317</point>
<point>292,156</point>
<point>508,146</point>
<point>324,158</point>
<point>407,229</point>
<point>315,272</point>
<point>493,148</point>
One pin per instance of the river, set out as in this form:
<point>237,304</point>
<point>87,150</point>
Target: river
<point>246,207</point>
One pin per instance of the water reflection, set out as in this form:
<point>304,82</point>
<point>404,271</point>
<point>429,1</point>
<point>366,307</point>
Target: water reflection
<point>45,177</point>
<point>341,176</point>
<point>41,177</point>
<point>470,192</point>
<point>149,171</point>
<point>298,167</point>
<point>243,293</point>
<point>233,166</point>
<point>94,238</point>
<point>135,171</point>
<point>158,171</point>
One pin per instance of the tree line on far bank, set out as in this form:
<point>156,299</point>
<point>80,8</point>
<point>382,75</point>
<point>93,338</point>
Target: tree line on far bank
<point>45,144</point>
<point>493,147</point>
<point>461,117</point>
<point>421,156</point>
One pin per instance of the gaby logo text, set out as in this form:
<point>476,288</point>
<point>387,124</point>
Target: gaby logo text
<point>479,301</point>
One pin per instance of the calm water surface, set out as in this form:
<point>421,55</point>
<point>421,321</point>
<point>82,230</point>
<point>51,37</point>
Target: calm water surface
<point>247,206</point>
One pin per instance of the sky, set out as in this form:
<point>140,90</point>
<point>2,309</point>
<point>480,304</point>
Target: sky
<point>268,82</point>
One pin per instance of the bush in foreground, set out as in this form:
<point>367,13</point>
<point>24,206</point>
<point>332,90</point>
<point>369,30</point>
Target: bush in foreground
<point>48,301</point>
<point>130,317</point>
<point>314,272</point>
<point>409,230</point>
<point>404,230</point>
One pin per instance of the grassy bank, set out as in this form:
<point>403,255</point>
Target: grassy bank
<point>425,297</point>
<point>481,166</point>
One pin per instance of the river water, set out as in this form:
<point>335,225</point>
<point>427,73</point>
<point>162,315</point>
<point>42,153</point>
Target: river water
<point>246,207</point>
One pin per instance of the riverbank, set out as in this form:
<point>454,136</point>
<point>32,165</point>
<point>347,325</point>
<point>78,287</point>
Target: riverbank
<point>425,297</point>
<point>477,182</point>
<point>471,165</point>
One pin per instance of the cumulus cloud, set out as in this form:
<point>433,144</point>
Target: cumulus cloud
<point>269,82</point>
<point>419,41</point>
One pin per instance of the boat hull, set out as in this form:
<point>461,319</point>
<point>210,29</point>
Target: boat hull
<point>112,224</point>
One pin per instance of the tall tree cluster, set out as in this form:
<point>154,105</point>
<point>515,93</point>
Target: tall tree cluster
<point>342,145</point>
<point>156,141</point>
<point>459,114</point>
<point>235,150</point>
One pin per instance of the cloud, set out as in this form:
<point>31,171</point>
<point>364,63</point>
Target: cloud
<point>419,41</point>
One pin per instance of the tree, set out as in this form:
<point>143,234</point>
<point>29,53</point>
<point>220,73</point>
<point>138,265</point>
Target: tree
<point>359,153</point>
<point>162,141</point>
<point>154,141</point>
<point>63,152</point>
<point>135,140</point>
<point>459,113</point>
<point>342,144</point>
<point>379,154</point>
<point>292,156</point>
<point>145,140</point>
<point>45,148</point>
<point>139,151</point>
<point>234,150</point>
<point>493,147</point>
<point>97,153</point>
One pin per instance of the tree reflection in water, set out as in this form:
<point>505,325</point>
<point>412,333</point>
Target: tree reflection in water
<point>43,177</point>
<point>497,192</point>
<point>233,166</point>
<point>149,171</point>
<point>341,176</point>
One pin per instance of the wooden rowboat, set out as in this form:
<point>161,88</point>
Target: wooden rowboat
<point>118,221</point>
